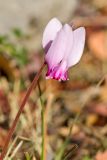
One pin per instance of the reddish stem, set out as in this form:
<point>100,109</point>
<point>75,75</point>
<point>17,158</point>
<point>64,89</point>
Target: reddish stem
<point>11,131</point>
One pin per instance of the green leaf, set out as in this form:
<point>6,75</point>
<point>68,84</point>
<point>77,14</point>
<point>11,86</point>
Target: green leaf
<point>3,39</point>
<point>61,150</point>
<point>17,33</point>
<point>86,158</point>
<point>27,156</point>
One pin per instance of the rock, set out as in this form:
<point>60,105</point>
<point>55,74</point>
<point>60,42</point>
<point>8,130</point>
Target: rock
<point>18,13</point>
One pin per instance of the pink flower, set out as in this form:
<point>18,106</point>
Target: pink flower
<point>63,48</point>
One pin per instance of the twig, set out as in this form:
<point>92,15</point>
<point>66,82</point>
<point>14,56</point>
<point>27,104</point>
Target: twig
<point>90,21</point>
<point>70,153</point>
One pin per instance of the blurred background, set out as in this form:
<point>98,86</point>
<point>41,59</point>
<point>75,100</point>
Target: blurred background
<point>21,55</point>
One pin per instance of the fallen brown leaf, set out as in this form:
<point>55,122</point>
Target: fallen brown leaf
<point>97,42</point>
<point>101,156</point>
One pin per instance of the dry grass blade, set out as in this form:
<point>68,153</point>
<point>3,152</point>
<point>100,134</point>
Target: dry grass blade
<point>10,148</point>
<point>10,133</point>
<point>68,155</point>
<point>16,149</point>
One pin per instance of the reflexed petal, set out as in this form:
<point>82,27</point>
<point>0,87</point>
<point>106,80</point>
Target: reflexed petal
<point>50,31</point>
<point>78,46</point>
<point>59,48</point>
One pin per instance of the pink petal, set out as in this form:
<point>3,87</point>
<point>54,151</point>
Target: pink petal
<point>78,46</point>
<point>50,31</point>
<point>59,48</point>
<point>70,41</point>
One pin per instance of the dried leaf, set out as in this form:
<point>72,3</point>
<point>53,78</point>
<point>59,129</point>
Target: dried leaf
<point>101,156</point>
<point>97,42</point>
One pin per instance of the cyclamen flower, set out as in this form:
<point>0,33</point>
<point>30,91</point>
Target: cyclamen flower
<point>63,48</point>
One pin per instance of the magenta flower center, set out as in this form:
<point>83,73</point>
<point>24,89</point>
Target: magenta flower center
<point>58,72</point>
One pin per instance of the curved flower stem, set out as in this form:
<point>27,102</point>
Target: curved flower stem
<point>11,131</point>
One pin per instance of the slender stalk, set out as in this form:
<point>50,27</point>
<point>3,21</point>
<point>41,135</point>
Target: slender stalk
<point>47,109</point>
<point>11,131</point>
<point>43,126</point>
<point>43,134</point>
